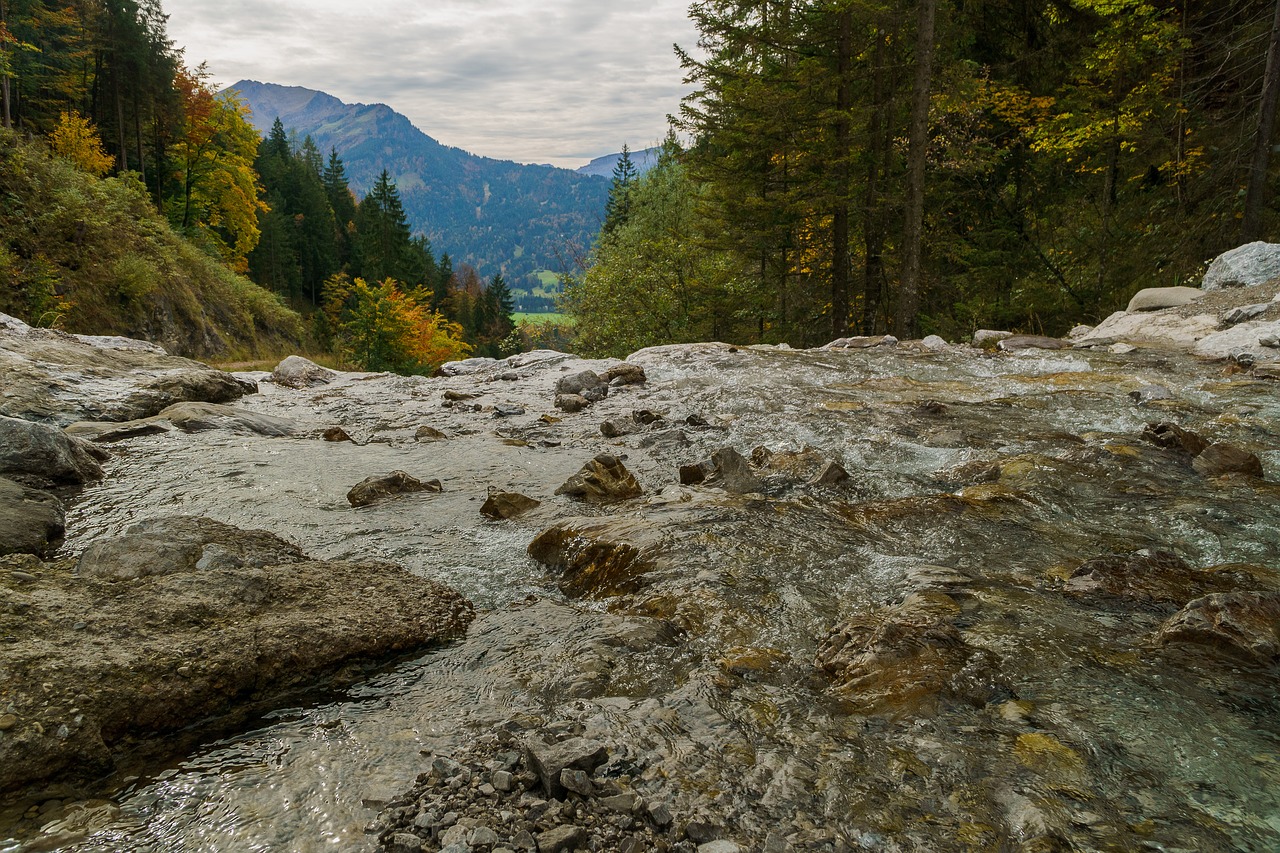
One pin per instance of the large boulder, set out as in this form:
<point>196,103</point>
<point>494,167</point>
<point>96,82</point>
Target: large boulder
<point>300,373</point>
<point>1160,329</point>
<point>189,417</point>
<point>1244,266</point>
<point>93,663</point>
<point>1156,298</point>
<point>31,521</point>
<point>39,452</point>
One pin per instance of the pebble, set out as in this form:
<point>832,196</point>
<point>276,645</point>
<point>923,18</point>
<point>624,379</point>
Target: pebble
<point>23,577</point>
<point>7,722</point>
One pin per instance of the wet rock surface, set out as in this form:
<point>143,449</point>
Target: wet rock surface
<point>602,480</point>
<point>42,453</point>
<point>31,520</point>
<point>382,487</point>
<point>187,620</point>
<point>890,659</point>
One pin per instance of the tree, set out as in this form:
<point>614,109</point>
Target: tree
<point>1251,224</point>
<point>383,239</point>
<point>618,208</point>
<point>913,232</point>
<point>381,327</point>
<point>218,187</point>
<point>76,139</point>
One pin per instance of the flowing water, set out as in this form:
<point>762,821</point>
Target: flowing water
<point>1098,740</point>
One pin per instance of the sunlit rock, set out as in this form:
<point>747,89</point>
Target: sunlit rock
<point>384,486</point>
<point>602,480</point>
<point>1245,624</point>
<point>600,557</point>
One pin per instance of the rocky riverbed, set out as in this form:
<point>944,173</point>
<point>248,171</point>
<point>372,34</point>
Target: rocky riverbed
<point>884,595</point>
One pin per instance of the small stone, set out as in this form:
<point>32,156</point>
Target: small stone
<point>832,474</point>
<point>719,847</point>
<point>602,480</point>
<point>561,839</point>
<point>523,840</point>
<point>577,782</point>
<point>624,374</point>
<point>1272,341</point>
<point>404,842</point>
<point>549,759</point>
<point>427,433</point>
<point>660,814</point>
<point>373,489</point>
<point>1222,458</point>
<point>622,803</point>
<point>336,433</point>
<point>487,790</point>
<point>500,504</point>
<point>483,837</point>
<point>184,671</point>
<point>7,722</point>
<point>23,577</point>
<point>455,834</point>
<point>578,383</point>
<point>571,403</point>
<point>507,410</point>
<point>503,781</point>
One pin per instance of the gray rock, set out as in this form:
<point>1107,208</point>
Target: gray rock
<point>1245,266</point>
<point>37,451</point>
<point>618,427</point>
<point>562,839</point>
<point>404,842</point>
<point>832,474</point>
<point>1156,298</point>
<point>376,488</point>
<point>31,521</point>
<point>934,343</point>
<point>602,480</point>
<point>577,781</point>
<point>507,410</point>
<point>733,472</point>
<point>720,846</point>
<point>503,781</point>
<point>550,760</point>
<point>181,544</point>
<point>577,383</point>
<point>660,814</point>
<point>621,803</point>
<point>1270,340</point>
<point>1017,342</point>
<point>988,338</point>
<point>468,366</point>
<point>483,836</point>
<point>1244,313</point>
<point>866,342</point>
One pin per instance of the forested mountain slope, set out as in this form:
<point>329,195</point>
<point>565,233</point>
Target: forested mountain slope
<point>498,216</point>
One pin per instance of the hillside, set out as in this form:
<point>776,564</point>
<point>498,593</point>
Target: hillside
<point>92,256</point>
<point>498,216</point>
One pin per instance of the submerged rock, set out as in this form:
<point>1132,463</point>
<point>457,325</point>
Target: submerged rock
<point>1158,578</point>
<point>174,545</point>
<point>1245,624</point>
<point>908,658</point>
<point>31,520</point>
<point>600,557</point>
<point>217,643</point>
<point>1222,458</point>
<point>602,480</point>
<point>376,488</point>
<point>1017,342</point>
<point>429,433</point>
<point>733,472</point>
<point>1173,437</point>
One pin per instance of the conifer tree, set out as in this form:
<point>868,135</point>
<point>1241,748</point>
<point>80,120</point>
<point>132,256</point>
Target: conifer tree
<point>618,207</point>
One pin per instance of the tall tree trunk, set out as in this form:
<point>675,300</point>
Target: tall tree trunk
<point>913,229</point>
<point>4,81</point>
<point>840,216</point>
<point>1251,227</point>
<point>873,223</point>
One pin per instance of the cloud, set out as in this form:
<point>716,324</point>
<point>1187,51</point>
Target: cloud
<point>554,81</point>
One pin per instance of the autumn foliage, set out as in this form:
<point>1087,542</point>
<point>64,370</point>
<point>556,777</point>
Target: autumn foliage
<point>76,139</point>
<point>381,327</point>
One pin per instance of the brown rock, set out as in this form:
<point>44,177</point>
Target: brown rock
<point>907,658</point>
<point>374,489</point>
<point>427,433</point>
<point>602,480</point>
<point>31,520</point>
<point>1245,624</point>
<point>1159,579</point>
<point>336,433</point>
<point>1222,458</point>
<point>600,557</point>
<point>501,504</point>
<point>1174,437</point>
<point>571,403</point>
<point>624,374</point>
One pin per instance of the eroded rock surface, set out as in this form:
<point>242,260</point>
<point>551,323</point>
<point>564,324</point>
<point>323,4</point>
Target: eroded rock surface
<point>39,452</point>
<point>600,557</point>
<point>1246,624</point>
<point>31,520</point>
<point>384,486</point>
<point>121,651</point>
<point>602,480</point>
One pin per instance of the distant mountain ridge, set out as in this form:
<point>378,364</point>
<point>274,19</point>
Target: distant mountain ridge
<point>496,215</point>
<point>643,160</point>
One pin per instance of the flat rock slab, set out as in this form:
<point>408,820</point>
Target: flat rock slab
<point>188,417</point>
<point>1243,624</point>
<point>93,664</point>
<point>1163,330</point>
<point>58,378</point>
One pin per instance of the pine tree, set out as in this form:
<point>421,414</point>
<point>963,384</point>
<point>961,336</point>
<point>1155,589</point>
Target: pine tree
<point>383,237</point>
<point>618,207</point>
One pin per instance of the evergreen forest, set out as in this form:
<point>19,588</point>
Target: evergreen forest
<point>938,166</point>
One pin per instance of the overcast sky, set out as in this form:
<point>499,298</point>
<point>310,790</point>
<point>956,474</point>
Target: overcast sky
<point>537,81</point>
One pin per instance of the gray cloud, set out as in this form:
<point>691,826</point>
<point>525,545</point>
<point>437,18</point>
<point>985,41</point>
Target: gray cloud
<point>556,81</point>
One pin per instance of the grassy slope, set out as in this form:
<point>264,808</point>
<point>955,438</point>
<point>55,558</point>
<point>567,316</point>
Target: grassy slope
<point>92,256</point>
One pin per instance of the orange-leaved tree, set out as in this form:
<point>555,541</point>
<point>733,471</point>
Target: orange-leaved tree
<point>380,327</point>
